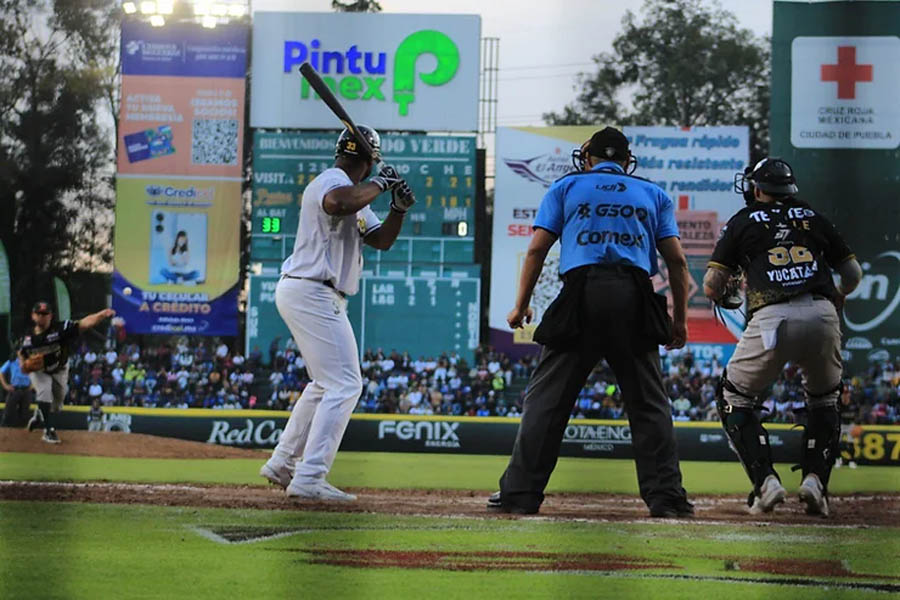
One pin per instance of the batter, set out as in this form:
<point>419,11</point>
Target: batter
<point>324,268</point>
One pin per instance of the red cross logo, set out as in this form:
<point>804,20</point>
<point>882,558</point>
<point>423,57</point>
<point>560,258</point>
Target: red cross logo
<point>846,73</point>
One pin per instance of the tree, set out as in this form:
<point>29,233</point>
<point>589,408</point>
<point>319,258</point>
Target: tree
<point>685,64</point>
<point>51,143</point>
<point>356,6</point>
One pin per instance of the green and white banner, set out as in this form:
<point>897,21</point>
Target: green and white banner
<point>400,72</point>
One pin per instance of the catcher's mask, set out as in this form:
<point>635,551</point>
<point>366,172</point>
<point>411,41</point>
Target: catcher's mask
<point>772,176</point>
<point>607,144</point>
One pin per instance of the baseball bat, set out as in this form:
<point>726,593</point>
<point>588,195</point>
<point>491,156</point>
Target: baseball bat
<point>335,105</point>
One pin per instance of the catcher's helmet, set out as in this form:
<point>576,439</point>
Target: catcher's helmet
<point>347,144</point>
<point>775,177</point>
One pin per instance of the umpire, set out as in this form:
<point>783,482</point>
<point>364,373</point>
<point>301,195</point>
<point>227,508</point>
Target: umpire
<point>786,251</point>
<point>610,225</point>
<point>18,393</point>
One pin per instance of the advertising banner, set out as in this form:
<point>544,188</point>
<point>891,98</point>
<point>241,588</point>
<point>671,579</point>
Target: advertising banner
<point>175,273</point>
<point>836,120</point>
<point>181,126</point>
<point>844,91</point>
<point>178,185</point>
<point>403,72</point>
<point>695,167</point>
<point>587,438</point>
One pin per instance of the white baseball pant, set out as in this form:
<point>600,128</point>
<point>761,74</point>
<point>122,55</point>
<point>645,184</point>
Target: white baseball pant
<point>804,330</point>
<point>317,317</point>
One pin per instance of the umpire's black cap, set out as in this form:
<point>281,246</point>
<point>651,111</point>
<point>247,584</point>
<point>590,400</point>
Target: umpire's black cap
<point>42,307</point>
<point>609,143</point>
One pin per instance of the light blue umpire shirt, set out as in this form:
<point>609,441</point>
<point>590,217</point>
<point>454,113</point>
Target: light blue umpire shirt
<point>606,217</point>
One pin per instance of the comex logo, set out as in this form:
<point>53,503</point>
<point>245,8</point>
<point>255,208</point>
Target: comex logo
<point>874,288</point>
<point>365,70</point>
<point>133,47</point>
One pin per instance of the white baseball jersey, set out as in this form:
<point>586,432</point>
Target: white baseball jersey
<point>329,248</point>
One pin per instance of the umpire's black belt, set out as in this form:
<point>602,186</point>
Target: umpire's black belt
<point>326,282</point>
<point>606,270</point>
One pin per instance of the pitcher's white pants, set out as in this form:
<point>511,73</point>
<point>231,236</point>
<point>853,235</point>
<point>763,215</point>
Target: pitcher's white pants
<point>317,318</point>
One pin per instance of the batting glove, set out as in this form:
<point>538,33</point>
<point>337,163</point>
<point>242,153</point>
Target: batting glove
<point>402,198</point>
<point>387,178</point>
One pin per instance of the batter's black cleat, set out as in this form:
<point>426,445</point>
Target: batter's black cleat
<point>494,501</point>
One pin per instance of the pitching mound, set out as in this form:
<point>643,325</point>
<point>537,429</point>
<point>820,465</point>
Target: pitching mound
<point>116,444</point>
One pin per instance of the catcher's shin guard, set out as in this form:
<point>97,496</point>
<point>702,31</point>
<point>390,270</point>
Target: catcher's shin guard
<point>821,442</point>
<point>746,436</point>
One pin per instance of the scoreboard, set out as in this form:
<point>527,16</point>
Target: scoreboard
<point>423,311</point>
<point>439,168</point>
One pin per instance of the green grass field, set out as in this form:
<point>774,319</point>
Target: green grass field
<point>73,550</point>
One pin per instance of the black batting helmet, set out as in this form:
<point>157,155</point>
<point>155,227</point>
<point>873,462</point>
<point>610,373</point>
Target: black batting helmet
<point>775,177</point>
<point>347,144</point>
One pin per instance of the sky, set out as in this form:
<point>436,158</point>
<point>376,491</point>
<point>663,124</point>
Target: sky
<point>544,44</point>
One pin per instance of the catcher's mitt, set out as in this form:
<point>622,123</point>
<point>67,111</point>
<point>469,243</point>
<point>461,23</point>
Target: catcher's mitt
<point>33,363</point>
<point>732,298</point>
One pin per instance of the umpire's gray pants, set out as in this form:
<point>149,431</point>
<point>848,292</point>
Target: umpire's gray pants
<point>804,330</point>
<point>51,387</point>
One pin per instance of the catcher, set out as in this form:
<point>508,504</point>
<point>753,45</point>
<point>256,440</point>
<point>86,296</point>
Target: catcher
<point>44,355</point>
<point>786,251</point>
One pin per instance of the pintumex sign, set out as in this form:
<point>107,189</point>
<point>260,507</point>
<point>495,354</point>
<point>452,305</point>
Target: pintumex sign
<point>394,71</point>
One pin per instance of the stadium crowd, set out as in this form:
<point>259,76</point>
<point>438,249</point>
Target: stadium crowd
<point>196,372</point>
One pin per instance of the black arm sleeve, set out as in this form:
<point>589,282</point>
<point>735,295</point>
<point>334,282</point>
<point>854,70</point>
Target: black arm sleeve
<point>725,255</point>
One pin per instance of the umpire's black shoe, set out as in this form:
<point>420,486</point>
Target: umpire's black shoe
<point>672,509</point>
<point>495,502</point>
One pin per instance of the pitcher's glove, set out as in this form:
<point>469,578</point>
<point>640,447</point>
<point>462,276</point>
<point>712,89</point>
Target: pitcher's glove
<point>732,298</point>
<point>402,198</point>
<point>387,178</point>
<point>33,363</point>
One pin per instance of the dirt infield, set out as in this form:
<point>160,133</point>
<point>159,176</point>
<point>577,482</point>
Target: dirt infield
<point>116,444</point>
<point>859,510</point>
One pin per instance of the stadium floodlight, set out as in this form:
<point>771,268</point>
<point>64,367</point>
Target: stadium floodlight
<point>202,7</point>
<point>208,21</point>
<point>165,7</point>
<point>236,10</point>
<point>148,7</point>
<point>220,10</point>
<point>129,7</point>
<point>157,20</point>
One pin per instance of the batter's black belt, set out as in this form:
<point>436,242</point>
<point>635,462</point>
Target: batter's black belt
<point>325,282</point>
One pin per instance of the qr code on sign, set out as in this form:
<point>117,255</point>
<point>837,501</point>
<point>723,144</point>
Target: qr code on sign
<point>214,142</point>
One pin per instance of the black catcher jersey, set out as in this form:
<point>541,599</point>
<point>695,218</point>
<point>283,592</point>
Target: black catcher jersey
<point>784,250</point>
<point>53,344</point>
